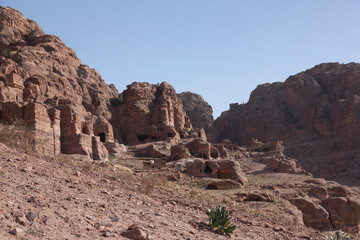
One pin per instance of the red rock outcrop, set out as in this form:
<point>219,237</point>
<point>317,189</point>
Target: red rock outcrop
<point>315,113</point>
<point>272,155</point>
<point>328,204</point>
<point>44,83</point>
<point>199,112</point>
<point>149,112</point>
<point>221,169</point>
<point>70,106</point>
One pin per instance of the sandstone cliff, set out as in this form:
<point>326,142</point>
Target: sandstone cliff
<point>69,105</point>
<point>199,112</point>
<point>316,114</point>
<point>43,82</point>
<point>149,112</point>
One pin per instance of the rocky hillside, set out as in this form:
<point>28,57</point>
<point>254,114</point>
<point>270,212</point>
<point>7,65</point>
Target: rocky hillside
<point>316,114</point>
<point>69,199</point>
<point>68,104</point>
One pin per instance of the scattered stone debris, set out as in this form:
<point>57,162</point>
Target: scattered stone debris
<point>134,232</point>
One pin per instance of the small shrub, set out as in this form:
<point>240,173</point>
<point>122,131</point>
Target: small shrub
<point>19,136</point>
<point>338,235</point>
<point>219,220</point>
<point>149,182</point>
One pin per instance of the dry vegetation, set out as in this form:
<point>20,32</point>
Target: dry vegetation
<point>17,135</point>
<point>153,184</point>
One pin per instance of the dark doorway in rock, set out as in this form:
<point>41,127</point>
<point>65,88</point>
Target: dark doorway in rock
<point>214,154</point>
<point>141,138</point>
<point>170,134</point>
<point>102,137</point>
<point>207,170</point>
<point>212,186</point>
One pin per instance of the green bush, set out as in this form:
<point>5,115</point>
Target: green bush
<point>219,220</point>
<point>338,235</point>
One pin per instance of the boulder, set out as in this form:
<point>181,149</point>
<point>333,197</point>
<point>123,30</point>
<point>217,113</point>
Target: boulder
<point>314,215</point>
<point>179,152</point>
<point>134,232</point>
<point>115,149</point>
<point>221,169</point>
<point>285,165</point>
<point>344,213</point>
<point>222,184</point>
<point>153,151</point>
<point>319,192</point>
<point>99,151</point>
<point>338,191</point>
<point>202,149</point>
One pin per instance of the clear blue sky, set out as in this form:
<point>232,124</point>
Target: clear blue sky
<point>221,49</point>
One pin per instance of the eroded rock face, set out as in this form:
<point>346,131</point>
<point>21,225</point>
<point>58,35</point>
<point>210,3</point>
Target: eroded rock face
<point>149,112</point>
<point>325,204</point>
<point>199,112</point>
<point>222,169</point>
<point>67,103</point>
<point>315,113</point>
<point>202,149</point>
<point>272,154</point>
<point>314,215</point>
<point>44,83</point>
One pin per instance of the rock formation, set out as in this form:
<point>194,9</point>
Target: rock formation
<point>69,105</point>
<point>315,113</point>
<point>199,112</point>
<point>221,169</point>
<point>149,112</point>
<point>44,83</point>
<point>272,154</point>
<point>328,204</point>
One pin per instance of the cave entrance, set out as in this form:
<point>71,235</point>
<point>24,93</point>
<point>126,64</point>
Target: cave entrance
<point>208,170</point>
<point>212,186</point>
<point>214,154</point>
<point>141,138</point>
<point>102,137</point>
